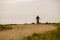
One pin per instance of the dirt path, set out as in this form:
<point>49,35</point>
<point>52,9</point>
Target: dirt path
<point>19,31</point>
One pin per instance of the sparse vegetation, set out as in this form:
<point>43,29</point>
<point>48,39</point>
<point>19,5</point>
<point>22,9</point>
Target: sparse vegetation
<point>49,35</point>
<point>46,36</point>
<point>5,27</point>
<point>58,31</point>
<point>52,35</point>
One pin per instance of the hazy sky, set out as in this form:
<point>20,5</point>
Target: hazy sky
<point>25,11</point>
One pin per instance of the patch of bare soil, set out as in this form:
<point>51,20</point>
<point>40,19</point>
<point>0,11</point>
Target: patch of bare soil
<point>19,31</point>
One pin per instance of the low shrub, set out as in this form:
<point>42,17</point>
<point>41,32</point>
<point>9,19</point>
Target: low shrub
<point>5,27</point>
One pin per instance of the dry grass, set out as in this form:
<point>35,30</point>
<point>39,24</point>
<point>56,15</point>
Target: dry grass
<point>20,31</point>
